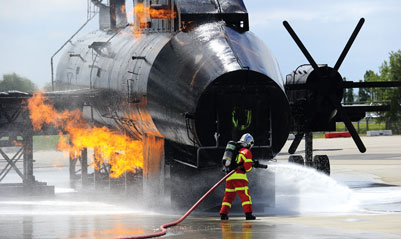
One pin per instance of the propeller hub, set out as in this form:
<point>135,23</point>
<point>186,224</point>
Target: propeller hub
<point>325,83</point>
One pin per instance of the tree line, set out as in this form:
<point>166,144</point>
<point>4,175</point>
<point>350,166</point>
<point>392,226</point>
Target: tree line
<point>11,82</point>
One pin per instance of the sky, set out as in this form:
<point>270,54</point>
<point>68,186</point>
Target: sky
<point>31,31</point>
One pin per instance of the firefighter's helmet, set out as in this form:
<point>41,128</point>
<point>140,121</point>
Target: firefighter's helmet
<point>247,140</point>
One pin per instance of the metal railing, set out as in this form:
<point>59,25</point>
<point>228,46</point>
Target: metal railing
<point>65,43</point>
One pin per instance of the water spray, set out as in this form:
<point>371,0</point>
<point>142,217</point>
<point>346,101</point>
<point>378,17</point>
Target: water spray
<point>303,190</point>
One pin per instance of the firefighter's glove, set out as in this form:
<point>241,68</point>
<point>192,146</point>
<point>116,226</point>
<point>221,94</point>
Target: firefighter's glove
<point>255,164</point>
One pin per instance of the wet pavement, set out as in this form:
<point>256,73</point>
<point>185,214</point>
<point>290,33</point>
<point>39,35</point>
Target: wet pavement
<point>362,199</point>
<point>125,225</point>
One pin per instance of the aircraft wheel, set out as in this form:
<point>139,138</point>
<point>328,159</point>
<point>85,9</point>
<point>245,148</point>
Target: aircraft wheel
<point>322,163</point>
<point>297,159</point>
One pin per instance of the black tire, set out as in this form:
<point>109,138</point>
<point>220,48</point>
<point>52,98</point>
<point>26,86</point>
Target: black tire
<point>297,159</point>
<point>322,163</point>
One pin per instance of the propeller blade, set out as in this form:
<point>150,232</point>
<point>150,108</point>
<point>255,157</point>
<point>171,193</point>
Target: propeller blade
<point>300,45</point>
<point>349,125</point>
<point>349,44</point>
<point>295,143</point>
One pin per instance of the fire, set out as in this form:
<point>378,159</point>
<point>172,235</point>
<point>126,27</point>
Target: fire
<point>161,13</point>
<point>17,143</point>
<point>144,13</point>
<point>121,152</point>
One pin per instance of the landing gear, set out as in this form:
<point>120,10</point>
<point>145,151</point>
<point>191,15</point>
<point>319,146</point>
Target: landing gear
<point>297,159</point>
<point>320,162</point>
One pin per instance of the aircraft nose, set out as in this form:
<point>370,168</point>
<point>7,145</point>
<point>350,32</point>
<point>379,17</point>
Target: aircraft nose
<point>237,103</point>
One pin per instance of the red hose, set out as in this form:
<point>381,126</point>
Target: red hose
<point>171,224</point>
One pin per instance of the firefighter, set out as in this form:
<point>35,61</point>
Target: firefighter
<point>238,182</point>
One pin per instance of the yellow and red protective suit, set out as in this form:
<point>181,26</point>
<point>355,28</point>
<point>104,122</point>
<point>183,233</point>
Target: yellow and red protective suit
<point>238,183</point>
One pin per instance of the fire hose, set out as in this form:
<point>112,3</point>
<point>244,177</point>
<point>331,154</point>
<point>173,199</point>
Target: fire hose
<point>164,227</point>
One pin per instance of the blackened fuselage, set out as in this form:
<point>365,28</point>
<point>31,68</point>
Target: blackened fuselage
<point>202,82</point>
<point>186,86</point>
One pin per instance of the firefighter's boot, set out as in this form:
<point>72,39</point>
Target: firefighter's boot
<point>249,216</point>
<point>223,216</point>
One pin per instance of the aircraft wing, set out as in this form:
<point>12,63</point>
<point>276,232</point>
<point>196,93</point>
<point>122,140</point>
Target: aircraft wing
<point>358,112</point>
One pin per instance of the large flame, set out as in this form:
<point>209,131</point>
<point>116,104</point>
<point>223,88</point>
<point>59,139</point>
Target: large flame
<point>121,152</point>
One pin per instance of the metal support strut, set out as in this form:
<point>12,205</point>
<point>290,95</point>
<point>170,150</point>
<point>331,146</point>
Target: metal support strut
<point>82,172</point>
<point>25,152</point>
<point>309,149</point>
<point>28,159</point>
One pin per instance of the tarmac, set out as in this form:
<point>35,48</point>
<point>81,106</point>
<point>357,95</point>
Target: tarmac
<point>361,199</point>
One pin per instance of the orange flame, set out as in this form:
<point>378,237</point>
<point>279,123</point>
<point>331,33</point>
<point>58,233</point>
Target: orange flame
<point>161,13</point>
<point>17,143</point>
<point>142,14</point>
<point>121,152</point>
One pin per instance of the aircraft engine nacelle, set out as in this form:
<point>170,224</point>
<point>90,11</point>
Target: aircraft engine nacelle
<point>317,92</point>
<point>310,93</point>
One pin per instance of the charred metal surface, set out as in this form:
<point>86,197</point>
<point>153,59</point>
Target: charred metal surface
<point>196,88</point>
<point>207,6</point>
<point>193,88</point>
<point>233,13</point>
<point>200,83</point>
<point>137,95</point>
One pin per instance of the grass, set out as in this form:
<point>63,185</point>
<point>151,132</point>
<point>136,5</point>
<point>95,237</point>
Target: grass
<point>372,125</point>
<point>340,127</point>
<point>48,142</point>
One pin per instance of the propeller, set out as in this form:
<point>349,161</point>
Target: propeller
<point>331,77</point>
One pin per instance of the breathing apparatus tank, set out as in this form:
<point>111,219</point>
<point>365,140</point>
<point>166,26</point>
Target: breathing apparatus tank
<point>230,152</point>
